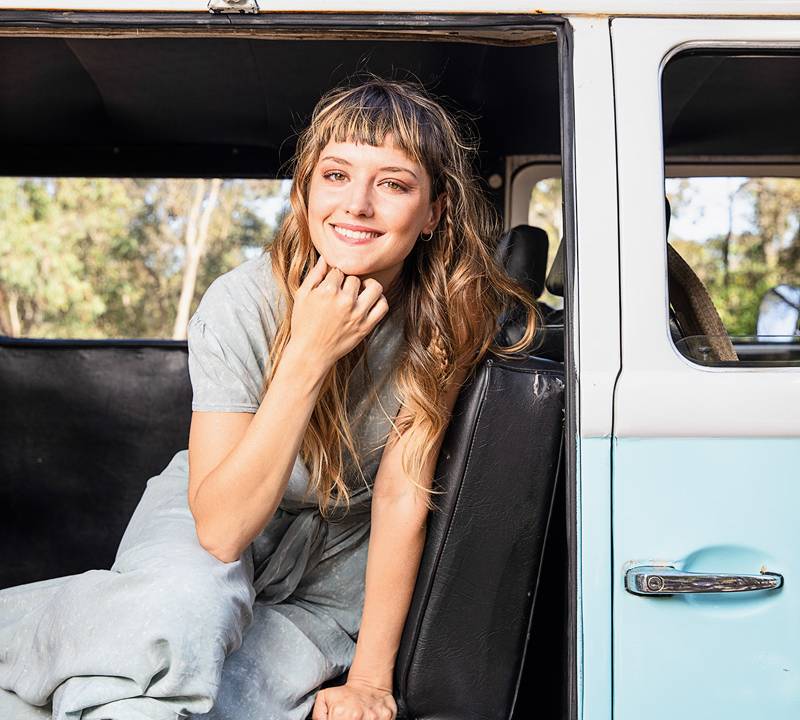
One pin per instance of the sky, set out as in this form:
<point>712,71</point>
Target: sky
<point>706,215</point>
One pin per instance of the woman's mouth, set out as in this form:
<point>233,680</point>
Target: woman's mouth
<point>355,235</point>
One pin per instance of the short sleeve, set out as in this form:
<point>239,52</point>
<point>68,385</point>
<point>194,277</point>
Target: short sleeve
<point>229,338</point>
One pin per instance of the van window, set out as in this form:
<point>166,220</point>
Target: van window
<point>545,211</point>
<point>535,199</point>
<point>733,208</point>
<point>123,257</point>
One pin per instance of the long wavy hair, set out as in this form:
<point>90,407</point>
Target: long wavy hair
<point>450,289</point>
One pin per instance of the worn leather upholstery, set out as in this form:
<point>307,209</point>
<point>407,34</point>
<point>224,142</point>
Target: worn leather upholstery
<point>464,641</point>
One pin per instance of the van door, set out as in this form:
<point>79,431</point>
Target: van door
<point>706,488</point>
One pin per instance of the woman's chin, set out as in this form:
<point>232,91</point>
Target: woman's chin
<point>351,266</point>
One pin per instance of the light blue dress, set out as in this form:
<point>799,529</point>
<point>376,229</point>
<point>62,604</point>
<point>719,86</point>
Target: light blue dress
<point>172,632</point>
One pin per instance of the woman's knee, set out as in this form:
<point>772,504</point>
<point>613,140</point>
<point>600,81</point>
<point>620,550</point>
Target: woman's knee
<point>207,600</point>
<point>277,670</point>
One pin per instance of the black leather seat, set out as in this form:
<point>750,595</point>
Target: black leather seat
<point>464,642</point>
<point>523,252</point>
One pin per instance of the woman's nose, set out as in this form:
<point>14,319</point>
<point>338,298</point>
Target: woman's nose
<point>359,202</point>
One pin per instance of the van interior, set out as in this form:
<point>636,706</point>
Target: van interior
<point>87,422</point>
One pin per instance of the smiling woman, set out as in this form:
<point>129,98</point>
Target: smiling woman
<point>324,372</point>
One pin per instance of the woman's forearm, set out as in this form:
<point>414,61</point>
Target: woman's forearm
<point>396,541</point>
<point>235,501</point>
<point>397,538</point>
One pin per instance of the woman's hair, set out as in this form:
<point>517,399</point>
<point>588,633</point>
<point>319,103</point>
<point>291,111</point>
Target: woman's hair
<point>451,290</point>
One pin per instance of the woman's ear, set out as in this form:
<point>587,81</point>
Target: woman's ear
<point>437,207</point>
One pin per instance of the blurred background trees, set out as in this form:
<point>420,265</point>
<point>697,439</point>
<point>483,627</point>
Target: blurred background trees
<point>741,236</point>
<point>99,258</point>
<point>102,258</point>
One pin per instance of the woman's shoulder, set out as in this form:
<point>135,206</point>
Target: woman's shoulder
<point>229,337</point>
<point>248,287</point>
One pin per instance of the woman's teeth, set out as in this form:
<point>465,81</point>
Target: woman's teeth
<point>356,234</point>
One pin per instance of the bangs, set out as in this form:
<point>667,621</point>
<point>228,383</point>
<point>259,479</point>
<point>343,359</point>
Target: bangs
<point>369,113</point>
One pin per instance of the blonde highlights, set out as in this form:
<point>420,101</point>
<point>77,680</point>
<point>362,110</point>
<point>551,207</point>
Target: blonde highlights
<point>451,291</point>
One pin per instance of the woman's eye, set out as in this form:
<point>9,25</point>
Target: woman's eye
<point>334,175</point>
<point>392,185</point>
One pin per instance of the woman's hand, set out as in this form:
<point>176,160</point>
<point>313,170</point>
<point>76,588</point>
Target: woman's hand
<point>332,313</point>
<point>354,701</point>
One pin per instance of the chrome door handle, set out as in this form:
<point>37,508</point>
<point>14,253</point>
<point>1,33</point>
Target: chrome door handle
<point>666,580</point>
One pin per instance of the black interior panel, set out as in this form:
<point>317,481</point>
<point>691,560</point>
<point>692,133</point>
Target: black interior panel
<point>232,106</point>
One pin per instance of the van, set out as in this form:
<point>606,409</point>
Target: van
<point>645,159</point>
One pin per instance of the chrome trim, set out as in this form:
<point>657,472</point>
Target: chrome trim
<point>666,580</point>
<point>233,6</point>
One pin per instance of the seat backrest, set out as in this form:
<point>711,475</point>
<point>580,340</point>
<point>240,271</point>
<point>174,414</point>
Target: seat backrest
<point>84,425</point>
<point>522,251</point>
<point>464,641</point>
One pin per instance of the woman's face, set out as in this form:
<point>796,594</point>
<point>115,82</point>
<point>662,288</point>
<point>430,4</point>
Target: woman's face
<point>367,207</point>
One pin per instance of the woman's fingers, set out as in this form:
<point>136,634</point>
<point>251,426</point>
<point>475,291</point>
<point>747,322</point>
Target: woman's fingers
<point>377,311</point>
<point>320,708</point>
<point>334,278</point>
<point>315,275</point>
<point>369,295</point>
<point>351,286</point>
<point>333,312</point>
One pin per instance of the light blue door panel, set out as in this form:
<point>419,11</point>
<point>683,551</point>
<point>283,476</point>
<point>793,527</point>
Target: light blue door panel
<point>728,505</point>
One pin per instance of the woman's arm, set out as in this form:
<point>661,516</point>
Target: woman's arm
<point>396,540</point>
<point>239,464</point>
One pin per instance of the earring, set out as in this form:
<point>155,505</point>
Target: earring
<point>426,239</point>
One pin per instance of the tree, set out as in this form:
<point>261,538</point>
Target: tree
<point>759,250</point>
<point>121,257</point>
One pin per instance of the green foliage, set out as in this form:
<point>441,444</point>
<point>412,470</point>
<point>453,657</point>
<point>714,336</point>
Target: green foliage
<point>106,257</point>
<point>760,251</point>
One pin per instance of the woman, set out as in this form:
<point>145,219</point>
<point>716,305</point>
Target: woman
<point>324,373</point>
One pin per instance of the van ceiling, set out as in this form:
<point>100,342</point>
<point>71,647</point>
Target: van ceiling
<point>231,106</point>
<point>721,104</point>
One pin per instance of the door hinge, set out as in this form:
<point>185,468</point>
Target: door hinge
<point>233,6</point>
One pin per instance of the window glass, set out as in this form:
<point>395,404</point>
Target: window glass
<point>122,257</point>
<point>544,211</point>
<point>739,235</point>
<point>731,145</point>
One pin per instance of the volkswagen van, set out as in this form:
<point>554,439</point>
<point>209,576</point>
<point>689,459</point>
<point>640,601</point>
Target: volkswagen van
<point>645,160</point>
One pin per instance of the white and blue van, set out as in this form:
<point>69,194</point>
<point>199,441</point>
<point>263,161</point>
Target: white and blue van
<point>645,159</point>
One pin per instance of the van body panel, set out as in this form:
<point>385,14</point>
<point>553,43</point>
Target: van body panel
<point>704,458</point>
<point>713,505</point>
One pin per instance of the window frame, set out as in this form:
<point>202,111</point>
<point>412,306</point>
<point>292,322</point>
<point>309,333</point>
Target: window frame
<point>523,172</point>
